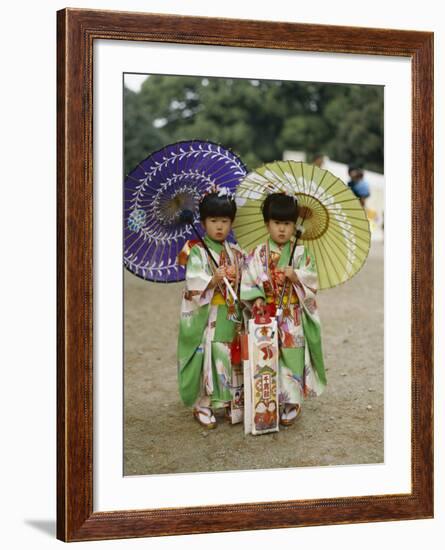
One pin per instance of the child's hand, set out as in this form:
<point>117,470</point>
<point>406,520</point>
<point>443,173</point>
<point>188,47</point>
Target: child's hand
<point>218,276</point>
<point>230,272</point>
<point>290,274</point>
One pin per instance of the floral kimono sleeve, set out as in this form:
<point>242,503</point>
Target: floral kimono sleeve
<point>306,289</point>
<point>197,279</point>
<point>195,310</point>
<point>252,278</point>
<point>306,271</point>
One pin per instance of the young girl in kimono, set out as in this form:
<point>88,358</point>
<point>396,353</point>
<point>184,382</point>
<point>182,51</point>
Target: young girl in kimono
<point>301,369</point>
<point>209,371</point>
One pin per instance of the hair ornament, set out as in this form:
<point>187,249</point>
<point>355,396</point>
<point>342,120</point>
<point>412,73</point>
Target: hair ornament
<point>219,191</point>
<point>225,192</point>
<point>300,228</point>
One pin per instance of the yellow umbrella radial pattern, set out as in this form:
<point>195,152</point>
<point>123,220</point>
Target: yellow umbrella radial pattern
<point>335,228</point>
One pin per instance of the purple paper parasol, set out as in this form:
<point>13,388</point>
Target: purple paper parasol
<point>169,181</point>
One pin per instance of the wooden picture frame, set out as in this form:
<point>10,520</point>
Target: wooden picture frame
<point>77,31</point>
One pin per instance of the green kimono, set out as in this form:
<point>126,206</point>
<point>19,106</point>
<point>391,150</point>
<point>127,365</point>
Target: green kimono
<point>301,366</point>
<point>206,329</point>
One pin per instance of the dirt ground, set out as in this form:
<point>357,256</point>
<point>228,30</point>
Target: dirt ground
<point>342,426</point>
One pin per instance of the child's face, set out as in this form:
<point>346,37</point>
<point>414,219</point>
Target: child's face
<point>281,232</point>
<point>217,228</point>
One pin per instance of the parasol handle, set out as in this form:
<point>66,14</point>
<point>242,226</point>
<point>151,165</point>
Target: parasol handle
<point>184,214</point>
<point>291,259</point>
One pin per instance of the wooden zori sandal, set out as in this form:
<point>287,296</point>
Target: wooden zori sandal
<point>290,414</point>
<point>228,414</point>
<point>204,416</point>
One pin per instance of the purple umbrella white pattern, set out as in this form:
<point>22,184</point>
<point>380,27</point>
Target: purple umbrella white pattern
<point>167,182</point>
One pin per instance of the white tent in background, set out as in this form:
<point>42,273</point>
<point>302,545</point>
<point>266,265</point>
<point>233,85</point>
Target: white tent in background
<point>375,205</point>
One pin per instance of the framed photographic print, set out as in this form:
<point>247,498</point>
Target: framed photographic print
<point>140,92</point>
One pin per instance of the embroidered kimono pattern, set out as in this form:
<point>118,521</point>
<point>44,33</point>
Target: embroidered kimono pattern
<point>207,374</point>
<point>301,366</point>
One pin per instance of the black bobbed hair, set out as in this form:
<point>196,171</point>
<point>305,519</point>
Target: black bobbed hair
<point>217,206</point>
<point>281,207</point>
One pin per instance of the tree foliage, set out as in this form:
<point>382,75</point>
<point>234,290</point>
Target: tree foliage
<point>256,119</point>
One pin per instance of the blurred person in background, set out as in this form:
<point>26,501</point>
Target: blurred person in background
<point>318,160</point>
<point>358,185</point>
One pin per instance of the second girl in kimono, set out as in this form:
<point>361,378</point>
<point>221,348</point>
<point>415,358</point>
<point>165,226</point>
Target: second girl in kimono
<point>209,371</point>
<point>268,269</point>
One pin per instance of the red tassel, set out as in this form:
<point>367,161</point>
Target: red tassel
<point>235,351</point>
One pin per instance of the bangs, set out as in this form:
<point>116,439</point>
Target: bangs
<point>278,206</point>
<point>215,206</point>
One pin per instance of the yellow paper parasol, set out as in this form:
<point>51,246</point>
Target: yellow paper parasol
<point>334,225</point>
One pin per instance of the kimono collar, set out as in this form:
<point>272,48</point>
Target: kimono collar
<point>284,251</point>
<point>213,245</point>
